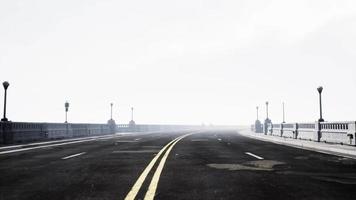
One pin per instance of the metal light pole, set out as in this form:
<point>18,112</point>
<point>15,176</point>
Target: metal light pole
<point>267,108</point>
<point>257,111</point>
<point>6,85</point>
<point>66,105</point>
<point>320,90</point>
<point>132,113</point>
<point>284,114</point>
<point>111,111</point>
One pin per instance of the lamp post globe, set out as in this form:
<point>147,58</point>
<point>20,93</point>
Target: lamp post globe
<point>5,84</point>
<point>320,89</point>
<point>66,105</point>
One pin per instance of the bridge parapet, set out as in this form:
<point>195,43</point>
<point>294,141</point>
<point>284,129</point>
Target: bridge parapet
<point>14,132</point>
<point>340,132</point>
<point>333,132</point>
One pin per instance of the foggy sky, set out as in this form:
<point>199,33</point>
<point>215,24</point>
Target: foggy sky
<point>178,62</point>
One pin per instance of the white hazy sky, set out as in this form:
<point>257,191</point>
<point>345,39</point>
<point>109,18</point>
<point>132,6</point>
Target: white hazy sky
<point>178,62</point>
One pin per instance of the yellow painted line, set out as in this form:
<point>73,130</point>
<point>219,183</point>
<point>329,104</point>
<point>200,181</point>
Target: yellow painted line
<point>136,187</point>
<point>150,194</point>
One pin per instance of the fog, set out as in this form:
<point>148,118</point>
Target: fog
<point>178,62</point>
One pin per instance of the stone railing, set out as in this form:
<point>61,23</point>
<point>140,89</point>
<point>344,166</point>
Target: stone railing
<point>14,132</point>
<point>332,132</point>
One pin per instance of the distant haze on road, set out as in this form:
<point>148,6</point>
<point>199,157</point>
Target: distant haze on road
<point>178,62</point>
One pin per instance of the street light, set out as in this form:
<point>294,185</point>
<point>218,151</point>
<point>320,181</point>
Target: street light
<point>320,90</point>
<point>257,111</point>
<point>111,104</point>
<point>267,108</point>
<point>132,114</point>
<point>6,85</point>
<point>284,115</point>
<point>66,105</point>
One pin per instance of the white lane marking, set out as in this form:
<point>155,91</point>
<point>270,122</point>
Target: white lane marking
<point>138,139</point>
<point>150,194</point>
<point>253,155</point>
<point>136,187</point>
<point>55,141</point>
<point>72,156</point>
<point>40,143</point>
<point>52,145</point>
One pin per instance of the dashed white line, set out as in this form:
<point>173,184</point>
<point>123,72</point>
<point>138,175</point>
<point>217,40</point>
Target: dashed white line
<point>53,145</point>
<point>50,142</point>
<point>253,155</point>
<point>72,156</point>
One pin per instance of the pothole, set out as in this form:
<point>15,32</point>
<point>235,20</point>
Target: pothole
<point>259,165</point>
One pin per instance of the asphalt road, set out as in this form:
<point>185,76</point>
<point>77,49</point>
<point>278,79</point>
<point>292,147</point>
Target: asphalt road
<point>173,165</point>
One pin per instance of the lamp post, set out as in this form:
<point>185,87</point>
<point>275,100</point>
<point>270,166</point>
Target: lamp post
<point>284,114</point>
<point>132,114</point>
<point>66,105</point>
<point>257,111</point>
<point>267,108</point>
<point>111,104</point>
<point>320,90</point>
<point>6,85</point>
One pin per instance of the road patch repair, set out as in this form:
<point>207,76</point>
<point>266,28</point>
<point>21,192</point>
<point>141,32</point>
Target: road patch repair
<point>259,165</point>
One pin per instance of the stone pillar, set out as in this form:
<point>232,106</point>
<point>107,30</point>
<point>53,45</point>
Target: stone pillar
<point>8,135</point>
<point>351,132</point>
<point>112,126</point>
<point>266,124</point>
<point>295,134</point>
<point>317,132</point>
<point>281,129</point>
<point>258,127</point>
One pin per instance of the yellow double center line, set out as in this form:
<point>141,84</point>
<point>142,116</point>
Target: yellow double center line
<point>154,182</point>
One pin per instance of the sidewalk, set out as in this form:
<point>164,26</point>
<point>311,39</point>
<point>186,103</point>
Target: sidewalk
<point>333,149</point>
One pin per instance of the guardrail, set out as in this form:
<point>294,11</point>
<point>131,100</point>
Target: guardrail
<point>331,132</point>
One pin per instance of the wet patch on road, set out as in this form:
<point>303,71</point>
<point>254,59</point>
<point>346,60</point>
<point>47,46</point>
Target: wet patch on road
<point>259,165</point>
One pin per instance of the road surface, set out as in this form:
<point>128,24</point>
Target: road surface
<point>207,164</point>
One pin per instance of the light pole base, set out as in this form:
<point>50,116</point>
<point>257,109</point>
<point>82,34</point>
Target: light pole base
<point>4,120</point>
<point>321,120</point>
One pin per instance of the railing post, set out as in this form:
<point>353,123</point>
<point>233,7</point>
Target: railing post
<point>351,132</point>
<point>295,136</point>
<point>281,129</point>
<point>317,132</point>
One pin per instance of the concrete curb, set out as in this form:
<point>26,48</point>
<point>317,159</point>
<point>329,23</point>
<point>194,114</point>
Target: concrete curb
<point>332,149</point>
